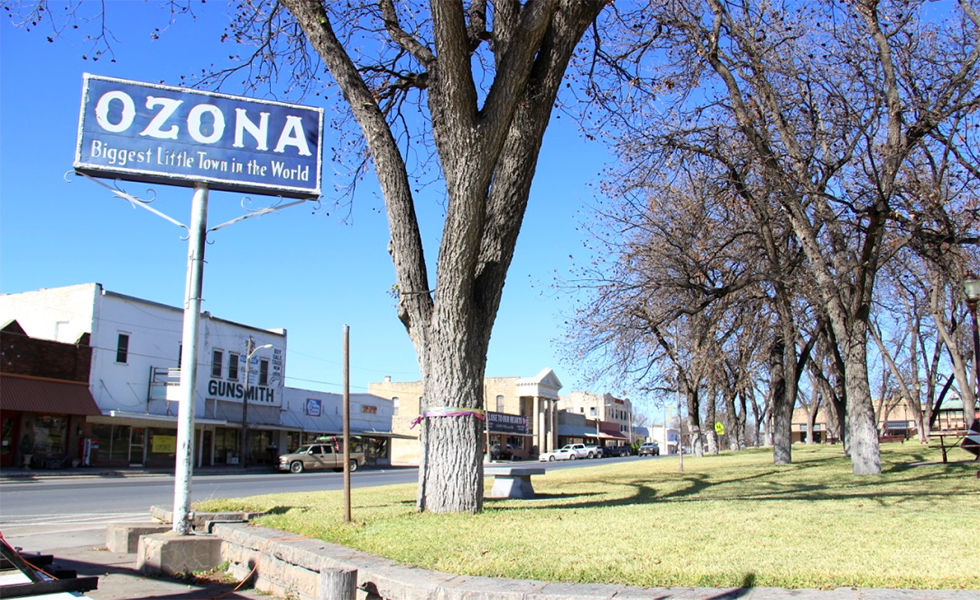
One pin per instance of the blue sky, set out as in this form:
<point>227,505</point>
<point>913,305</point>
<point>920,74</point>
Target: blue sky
<point>308,271</point>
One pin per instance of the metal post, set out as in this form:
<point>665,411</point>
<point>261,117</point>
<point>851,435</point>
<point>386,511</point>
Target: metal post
<point>244,437</point>
<point>188,361</point>
<point>347,516</point>
<point>976,359</point>
<point>680,432</point>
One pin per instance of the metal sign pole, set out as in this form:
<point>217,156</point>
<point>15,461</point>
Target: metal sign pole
<point>188,359</point>
<point>347,440</point>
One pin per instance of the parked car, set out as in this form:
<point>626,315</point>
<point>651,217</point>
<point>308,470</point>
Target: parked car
<point>325,455</point>
<point>583,451</point>
<point>623,450</point>
<point>649,449</point>
<point>560,454</point>
<point>498,452</point>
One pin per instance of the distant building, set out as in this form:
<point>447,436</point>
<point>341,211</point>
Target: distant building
<point>666,436</point>
<point>611,417</point>
<point>520,412</point>
<point>895,419</point>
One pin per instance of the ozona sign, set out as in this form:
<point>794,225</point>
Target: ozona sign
<point>160,134</point>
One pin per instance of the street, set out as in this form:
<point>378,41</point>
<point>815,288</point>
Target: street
<point>52,511</point>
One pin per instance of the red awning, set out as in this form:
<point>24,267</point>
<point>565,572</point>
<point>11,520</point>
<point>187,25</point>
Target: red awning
<point>49,396</point>
<point>608,436</point>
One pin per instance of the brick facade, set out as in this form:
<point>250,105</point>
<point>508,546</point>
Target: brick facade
<point>24,355</point>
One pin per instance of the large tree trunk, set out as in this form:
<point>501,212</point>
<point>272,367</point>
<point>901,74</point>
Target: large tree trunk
<point>694,424</point>
<point>861,426</point>
<point>782,410</point>
<point>736,420</point>
<point>710,433</point>
<point>451,466</point>
<point>811,416</point>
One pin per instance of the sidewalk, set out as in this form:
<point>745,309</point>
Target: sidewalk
<point>119,579</point>
<point>14,474</point>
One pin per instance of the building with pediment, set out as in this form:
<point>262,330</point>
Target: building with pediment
<point>521,413</point>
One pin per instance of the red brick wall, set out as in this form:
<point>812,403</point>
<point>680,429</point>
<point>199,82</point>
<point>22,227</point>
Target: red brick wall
<point>23,355</point>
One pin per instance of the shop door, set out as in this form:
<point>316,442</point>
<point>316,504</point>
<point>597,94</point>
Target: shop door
<point>8,440</point>
<point>206,448</point>
<point>137,445</point>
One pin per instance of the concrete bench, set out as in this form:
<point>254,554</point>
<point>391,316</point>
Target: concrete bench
<point>512,482</point>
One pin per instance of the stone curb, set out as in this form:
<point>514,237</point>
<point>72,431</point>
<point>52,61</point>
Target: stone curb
<point>287,564</point>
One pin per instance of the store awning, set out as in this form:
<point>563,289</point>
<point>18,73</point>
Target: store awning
<point>576,431</point>
<point>608,436</point>
<point>124,418</point>
<point>49,396</point>
<point>376,434</point>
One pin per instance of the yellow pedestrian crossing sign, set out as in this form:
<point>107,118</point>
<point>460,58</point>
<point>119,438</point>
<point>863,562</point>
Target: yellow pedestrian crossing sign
<point>719,428</point>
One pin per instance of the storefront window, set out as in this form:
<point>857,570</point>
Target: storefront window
<point>163,446</point>
<point>376,448</point>
<point>101,441</point>
<point>119,443</point>
<point>225,444</point>
<point>50,435</point>
<point>258,443</point>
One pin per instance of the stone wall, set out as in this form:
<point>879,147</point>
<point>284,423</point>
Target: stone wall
<point>288,566</point>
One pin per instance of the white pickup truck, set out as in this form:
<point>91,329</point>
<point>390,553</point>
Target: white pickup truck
<point>583,451</point>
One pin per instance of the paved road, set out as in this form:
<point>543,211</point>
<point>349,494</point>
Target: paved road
<point>49,508</point>
<point>42,512</point>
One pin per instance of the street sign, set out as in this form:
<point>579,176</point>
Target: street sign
<point>719,428</point>
<point>178,136</point>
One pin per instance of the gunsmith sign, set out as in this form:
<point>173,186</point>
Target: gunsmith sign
<point>146,132</point>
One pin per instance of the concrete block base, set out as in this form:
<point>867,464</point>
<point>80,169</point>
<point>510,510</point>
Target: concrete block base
<point>173,554</point>
<point>125,537</point>
<point>513,482</point>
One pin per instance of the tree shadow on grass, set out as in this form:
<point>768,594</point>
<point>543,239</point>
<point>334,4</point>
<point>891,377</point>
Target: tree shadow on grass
<point>748,582</point>
<point>540,497</point>
<point>899,483</point>
<point>281,510</point>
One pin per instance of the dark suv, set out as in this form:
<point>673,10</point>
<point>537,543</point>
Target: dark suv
<point>623,450</point>
<point>649,449</point>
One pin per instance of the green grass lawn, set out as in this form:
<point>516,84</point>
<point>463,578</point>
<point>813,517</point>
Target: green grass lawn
<point>726,521</point>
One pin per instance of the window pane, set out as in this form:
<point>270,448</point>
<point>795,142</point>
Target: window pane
<point>263,372</point>
<point>216,356</point>
<point>233,366</point>
<point>122,348</point>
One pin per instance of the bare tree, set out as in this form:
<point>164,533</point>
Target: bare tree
<point>833,100</point>
<point>484,78</point>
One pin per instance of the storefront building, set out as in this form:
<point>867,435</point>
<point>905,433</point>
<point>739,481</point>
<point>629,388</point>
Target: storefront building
<point>45,400</point>
<point>521,415</point>
<point>610,419</point>
<point>574,428</point>
<point>134,373</point>
<point>312,414</point>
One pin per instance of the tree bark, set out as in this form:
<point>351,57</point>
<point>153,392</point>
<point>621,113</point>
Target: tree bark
<point>488,156</point>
